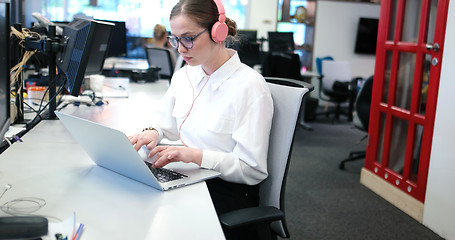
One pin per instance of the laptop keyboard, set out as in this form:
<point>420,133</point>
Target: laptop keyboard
<point>165,175</point>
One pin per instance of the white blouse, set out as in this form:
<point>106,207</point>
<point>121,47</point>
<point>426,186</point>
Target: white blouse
<point>230,119</point>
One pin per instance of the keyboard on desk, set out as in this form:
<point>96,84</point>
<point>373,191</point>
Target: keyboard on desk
<point>165,175</point>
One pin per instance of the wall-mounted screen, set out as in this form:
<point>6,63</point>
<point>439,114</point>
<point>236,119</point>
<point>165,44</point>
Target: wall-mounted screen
<point>367,34</point>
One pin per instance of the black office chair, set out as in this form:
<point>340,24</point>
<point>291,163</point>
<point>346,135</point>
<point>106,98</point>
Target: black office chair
<point>269,218</point>
<point>361,118</point>
<point>286,65</point>
<point>337,86</point>
<point>162,58</point>
<point>282,65</point>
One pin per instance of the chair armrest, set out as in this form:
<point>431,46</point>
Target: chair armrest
<point>249,216</point>
<point>290,82</point>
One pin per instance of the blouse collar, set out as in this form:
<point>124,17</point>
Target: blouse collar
<point>223,73</point>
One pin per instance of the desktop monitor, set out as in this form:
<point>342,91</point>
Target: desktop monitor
<point>281,41</point>
<point>136,47</point>
<point>247,36</point>
<point>297,28</point>
<point>85,46</point>
<point>4,69</point>
<point>367,34</point>
<point>117,42</point>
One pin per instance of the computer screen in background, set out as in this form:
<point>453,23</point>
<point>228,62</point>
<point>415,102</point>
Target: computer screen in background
<point>85,47</point>
<point>136,47</point>
<point>247,36</point>
<point>281,41</point>
<point>367,34</point>
<point>4,69</point>
<point>297,28</point>
<point>247,47</point>
<point>117,42</point>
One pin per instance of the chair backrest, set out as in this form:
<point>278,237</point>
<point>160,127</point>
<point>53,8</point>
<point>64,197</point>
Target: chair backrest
<point>335,71</point>
<point>319,63</point>
<point>160,57</point>
<point>362,105</point>
<point>281,64</point>
<point>287,95</point>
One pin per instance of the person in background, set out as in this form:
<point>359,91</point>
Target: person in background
<point>159,39</point>
<point>218,107</point>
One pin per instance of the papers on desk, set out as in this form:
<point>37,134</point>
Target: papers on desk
<point>113,91</point>
<point>14,130</point>
<point>67,228</point>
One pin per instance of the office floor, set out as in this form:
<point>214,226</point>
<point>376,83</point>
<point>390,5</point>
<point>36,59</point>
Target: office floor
<point>323,202</point>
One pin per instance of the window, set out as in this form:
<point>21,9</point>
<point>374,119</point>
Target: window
<point>140,15</point>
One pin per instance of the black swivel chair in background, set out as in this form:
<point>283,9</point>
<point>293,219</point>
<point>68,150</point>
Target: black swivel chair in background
<point>361,117</point>
<point>337,86</point>
<point>162,59</point>
<point>286,65</point>
<point>281,64</point>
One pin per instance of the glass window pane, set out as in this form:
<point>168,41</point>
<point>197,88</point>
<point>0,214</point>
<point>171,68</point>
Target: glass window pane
<point>381,138</point>
<point>398,144</point>
<point>405,79</point>
<point>136,13</point>
<point>424,86</point>
<point>411,21</point>
<point>432,21</point>
<point>416,153</point>
<point>387,74</point>
<point>393,13</point>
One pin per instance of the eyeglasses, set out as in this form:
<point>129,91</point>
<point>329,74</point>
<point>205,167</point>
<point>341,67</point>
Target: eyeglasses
<point>186,42</point>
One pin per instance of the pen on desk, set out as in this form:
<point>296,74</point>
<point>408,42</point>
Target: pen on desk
<point>17,138</point>
<point>77,236</point>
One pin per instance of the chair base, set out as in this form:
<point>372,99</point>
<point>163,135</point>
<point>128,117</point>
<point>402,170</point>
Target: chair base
<point>337,112</point>
<point>352,157</point>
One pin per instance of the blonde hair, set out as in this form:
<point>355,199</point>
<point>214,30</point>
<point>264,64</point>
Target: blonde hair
<point>159,32</point>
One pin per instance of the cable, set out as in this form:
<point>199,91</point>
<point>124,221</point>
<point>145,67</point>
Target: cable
<point>12,208</point>
<point>21,206</point>
<point>194,99</point>
<point>7,187</point>
<point>17,70</point>
<point>50,100</point>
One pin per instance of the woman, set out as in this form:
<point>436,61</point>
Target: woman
<point>159,36</point>
<point>160,40</point>
<point>218,107</point>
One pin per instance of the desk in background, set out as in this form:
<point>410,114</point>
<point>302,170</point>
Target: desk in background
<point>50,165</point>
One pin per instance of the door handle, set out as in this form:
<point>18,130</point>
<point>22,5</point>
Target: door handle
<point>434,47</point>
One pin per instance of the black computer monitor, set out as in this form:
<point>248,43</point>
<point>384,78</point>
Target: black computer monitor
<point>4,69</point>
<point>247,47</point>
<point>136,47</point>
<point>367,34</point>
<point>117,42</point>
<point>85,46</point>
<point>298,29</point>
<point>281,41</point>
<point>247,36</point>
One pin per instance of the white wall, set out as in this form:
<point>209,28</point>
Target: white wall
<point>335,34</point>
<point>439,209</point>
<point>262,16</point>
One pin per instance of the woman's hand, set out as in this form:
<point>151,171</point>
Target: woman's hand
<point>167,154</point>
<point>149,138</point>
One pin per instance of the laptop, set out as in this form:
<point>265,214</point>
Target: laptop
<point>111,149</point>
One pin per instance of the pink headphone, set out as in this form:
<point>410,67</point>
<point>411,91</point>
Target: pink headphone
<point>219,29</point>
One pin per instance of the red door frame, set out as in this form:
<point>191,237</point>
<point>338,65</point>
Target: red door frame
<point>380,166</point>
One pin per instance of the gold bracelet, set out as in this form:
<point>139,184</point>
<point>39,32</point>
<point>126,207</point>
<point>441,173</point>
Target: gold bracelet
<point>149,128</point>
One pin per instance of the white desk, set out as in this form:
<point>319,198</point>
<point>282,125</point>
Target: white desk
<point>49,164</point>
<point>125,64</point>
